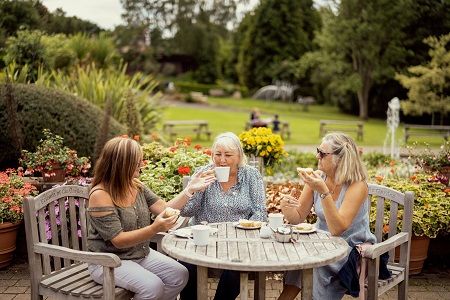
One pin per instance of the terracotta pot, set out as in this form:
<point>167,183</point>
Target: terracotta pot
<point>57,174</point>
<point>8,235</point>
<point>417,255</point>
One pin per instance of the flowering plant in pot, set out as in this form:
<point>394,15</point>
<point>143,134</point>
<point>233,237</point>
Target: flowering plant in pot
<point>433,161</point>
<point>13,191</point>
<point>164,175</point>
<point>50,156</point>
<point>261,142</point>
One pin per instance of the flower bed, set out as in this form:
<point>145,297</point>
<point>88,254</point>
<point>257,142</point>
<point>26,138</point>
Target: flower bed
<point>165,167</point>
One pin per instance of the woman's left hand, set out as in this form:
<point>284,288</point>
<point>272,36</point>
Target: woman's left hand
<point>200,181</point>
<point>314,181</point>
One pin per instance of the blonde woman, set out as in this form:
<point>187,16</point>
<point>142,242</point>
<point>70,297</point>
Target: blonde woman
<point>119,222</point>
<point>339,196</point>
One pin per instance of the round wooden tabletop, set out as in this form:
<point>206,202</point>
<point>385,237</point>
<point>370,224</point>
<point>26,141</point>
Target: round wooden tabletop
<point>238,249</point>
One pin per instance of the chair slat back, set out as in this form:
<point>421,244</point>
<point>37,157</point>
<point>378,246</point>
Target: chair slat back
<point>56,217</point>
<point>390,206</point>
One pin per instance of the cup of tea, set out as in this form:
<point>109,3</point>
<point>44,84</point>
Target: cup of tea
<point>200,234</point>
<point>276,220</point>
<point>222,173</point>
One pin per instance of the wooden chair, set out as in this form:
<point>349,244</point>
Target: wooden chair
<point>371,256</point>
<point>58,262</point>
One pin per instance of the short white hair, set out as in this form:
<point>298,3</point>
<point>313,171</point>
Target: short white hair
<point>230,141</point>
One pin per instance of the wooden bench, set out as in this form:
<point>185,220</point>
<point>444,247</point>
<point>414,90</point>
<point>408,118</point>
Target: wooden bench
<point>198,127</point>
<point>426,130</point>
<point>327,126</point>
<point>285,130</point>
<point>59,265</point>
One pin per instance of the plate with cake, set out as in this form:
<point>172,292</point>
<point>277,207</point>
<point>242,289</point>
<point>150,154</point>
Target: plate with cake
<point>304,228</point>
<point>248,224</point>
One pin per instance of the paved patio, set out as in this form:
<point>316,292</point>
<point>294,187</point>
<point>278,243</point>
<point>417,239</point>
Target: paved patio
<point>432,284</point>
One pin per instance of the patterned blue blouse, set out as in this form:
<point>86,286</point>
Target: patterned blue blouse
<point>244,200</point>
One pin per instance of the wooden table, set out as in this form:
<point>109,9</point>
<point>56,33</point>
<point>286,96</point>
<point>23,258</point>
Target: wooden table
<point>243,250</point>
<point>199,127</point>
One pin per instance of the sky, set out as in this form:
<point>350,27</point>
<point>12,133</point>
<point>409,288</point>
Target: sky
<point>104,13</point>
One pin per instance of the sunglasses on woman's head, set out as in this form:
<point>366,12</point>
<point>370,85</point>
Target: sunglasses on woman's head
<point>323,154</point>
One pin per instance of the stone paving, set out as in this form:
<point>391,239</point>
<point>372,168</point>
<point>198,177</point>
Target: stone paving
<point>432,284</point>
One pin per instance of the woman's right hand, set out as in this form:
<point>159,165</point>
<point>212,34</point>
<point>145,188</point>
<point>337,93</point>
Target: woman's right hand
<point>289,201</point>
<point>163,224</point>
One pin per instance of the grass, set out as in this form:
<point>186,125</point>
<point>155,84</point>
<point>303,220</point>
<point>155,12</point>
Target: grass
<point>227,114</point>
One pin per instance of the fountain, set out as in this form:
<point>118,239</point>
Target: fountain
<point>393,120</point>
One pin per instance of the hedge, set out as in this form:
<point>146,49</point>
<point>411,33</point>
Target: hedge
<point>71,117</point>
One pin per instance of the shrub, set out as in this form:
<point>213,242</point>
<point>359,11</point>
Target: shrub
<point>431,215</point>
<point>163,172</point>
<point>97,85</point>
<point>285,169</point>
<point>65,115</point>
<point>26,49</point>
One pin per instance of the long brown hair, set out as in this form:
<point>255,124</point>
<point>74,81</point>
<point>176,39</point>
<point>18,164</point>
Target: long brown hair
<point>116,166</point>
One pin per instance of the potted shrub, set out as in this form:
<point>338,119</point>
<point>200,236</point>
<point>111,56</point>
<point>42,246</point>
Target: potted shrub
<point>164,168</point>
<point>13,190</point>
<point>53,160</point>
<point>431,215</point>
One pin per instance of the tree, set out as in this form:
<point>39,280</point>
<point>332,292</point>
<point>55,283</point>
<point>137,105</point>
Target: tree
<point>429,85</point>
<point>168,15</point>
<point>361,44</point>
<point>281,30</point>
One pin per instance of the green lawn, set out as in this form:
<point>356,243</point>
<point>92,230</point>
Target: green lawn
<point>226,114</point>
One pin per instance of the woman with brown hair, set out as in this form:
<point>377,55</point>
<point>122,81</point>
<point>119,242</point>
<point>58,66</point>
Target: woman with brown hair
<point>119,222</point>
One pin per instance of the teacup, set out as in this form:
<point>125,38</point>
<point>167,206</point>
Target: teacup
<point>222,173</point>
<point>200,234</point>
<point>276,220</point>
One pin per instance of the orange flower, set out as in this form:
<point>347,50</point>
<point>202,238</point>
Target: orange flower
<point>184,170</point>
<point>379,178</point>
<point>198,147</point>
<point>385,228</point>
<point>207,152</point>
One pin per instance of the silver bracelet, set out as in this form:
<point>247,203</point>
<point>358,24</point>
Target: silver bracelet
<point>189,195</point>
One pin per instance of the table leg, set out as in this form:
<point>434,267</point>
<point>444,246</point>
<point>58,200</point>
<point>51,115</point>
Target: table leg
<point>307,284</point>
<point>260,285</point>
<point>202,283</point>
<point>244,286</point>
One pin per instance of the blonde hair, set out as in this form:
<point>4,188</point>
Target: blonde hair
<point>116,166</point>
<point>349,167</point>
<point>229,141</point>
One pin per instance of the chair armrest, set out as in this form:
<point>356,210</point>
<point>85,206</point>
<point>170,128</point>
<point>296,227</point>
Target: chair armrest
<point>103,258</point>
<point>376,250</point>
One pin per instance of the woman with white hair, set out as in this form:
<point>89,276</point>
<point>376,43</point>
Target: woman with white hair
<point>241,197</point>
<point>339,194</point>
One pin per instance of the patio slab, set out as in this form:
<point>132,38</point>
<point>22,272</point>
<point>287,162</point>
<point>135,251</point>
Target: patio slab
<point>432,284</point>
